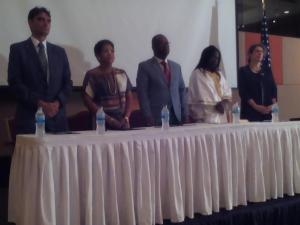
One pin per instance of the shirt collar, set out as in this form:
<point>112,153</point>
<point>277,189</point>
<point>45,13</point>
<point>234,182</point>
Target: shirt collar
<point>36,42</point>
<point>160,60</point>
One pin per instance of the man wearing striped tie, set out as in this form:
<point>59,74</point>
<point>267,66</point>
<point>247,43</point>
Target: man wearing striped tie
<point>39,75</point>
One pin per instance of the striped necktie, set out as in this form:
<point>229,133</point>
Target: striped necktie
<point>43,59</point>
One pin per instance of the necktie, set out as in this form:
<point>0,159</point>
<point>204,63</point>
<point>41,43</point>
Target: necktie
<point>43,59</point>
<point>167,72</point>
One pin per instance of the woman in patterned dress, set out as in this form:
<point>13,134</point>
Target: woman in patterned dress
<point>108,87</point>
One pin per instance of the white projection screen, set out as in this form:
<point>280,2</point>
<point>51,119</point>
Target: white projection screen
<point>77,25</point>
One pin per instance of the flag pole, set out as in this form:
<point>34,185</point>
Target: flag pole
<point>265,36</point>
<point>263,4</point>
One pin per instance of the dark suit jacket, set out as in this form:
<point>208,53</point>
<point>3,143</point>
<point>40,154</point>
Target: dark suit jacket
<point>154,92</point>
<point>259,87</point>
<point>25,77</point>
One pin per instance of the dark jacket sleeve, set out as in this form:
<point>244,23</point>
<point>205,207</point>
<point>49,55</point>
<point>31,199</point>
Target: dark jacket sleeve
<point>15,79</point>
<point>243,86</point>
<point>142,84</point>
<point>273,87</point>
<point>67,82</point>
<point>182,93</point>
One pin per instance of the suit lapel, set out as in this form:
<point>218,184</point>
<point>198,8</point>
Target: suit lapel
<point>33,54</point>
<point>51,62</point>
<point>158,71</point>
<point>173,72</point>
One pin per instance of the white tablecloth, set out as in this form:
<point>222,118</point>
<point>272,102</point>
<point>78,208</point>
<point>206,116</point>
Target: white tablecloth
<point>145,176</point>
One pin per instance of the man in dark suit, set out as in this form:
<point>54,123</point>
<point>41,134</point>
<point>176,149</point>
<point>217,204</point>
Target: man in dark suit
<point>159,82</point>
<point>39,75</point>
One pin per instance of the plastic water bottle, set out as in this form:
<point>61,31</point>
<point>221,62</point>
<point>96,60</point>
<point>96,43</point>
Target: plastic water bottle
<point>165,118</point>
<point>236,112</point>
<point>39,122</point>
<point>100,121</point>
<point>275,113</point>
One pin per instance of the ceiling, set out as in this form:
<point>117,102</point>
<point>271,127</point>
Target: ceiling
<point>249,15</point>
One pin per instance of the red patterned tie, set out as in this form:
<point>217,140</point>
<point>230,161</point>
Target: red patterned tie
<point>167,72</point>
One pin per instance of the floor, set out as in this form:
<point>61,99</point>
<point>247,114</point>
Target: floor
<point>4,176</point>
<point>3,206</point>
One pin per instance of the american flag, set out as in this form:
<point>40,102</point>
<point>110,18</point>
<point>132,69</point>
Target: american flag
<point>265,39</point>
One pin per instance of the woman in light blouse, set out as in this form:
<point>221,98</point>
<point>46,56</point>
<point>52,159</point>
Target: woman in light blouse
<point>209,94</point>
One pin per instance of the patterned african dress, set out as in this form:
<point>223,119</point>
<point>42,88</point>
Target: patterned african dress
<point>108,90</point>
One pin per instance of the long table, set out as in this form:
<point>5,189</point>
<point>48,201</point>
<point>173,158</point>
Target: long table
<point>145,176</point>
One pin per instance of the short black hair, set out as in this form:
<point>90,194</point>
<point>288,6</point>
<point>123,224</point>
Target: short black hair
<point>253,47</point>
<point>206,54</point>
<point>36,11</point>
<point>100,44</point>
<point>156,38</point>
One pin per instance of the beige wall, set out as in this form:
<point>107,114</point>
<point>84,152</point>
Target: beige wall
<point>291,61</point>
<point>289,91</point>
<point>288,99</point>
<point>242,52</point>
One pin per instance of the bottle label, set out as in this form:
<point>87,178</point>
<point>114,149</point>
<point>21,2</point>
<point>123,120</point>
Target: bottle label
<point>236,110</point>
<point>165,117</point>
<point>100,119</point>
<point>40,119</point>
<point>275,108</point>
